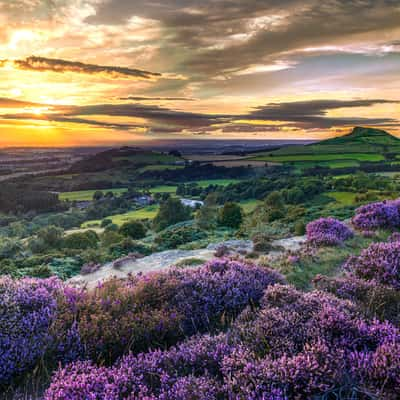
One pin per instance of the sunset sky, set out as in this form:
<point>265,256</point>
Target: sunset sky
<point>94,72</point>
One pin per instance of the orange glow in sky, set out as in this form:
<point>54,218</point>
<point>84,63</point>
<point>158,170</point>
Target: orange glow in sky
<point>93,72</point>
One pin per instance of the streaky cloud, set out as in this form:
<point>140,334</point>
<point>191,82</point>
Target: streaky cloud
<point>149,98</point>
<point>43,64</point>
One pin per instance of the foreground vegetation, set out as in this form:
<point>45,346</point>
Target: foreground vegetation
<point>255,336</point>
<point>316,321</point>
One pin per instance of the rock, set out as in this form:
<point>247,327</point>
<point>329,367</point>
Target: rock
<point>132,264</point>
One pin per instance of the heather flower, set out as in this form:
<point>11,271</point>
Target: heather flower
<point>379,262</point>
<point>221,287</point>
<point>303,343</point>
<point>27,310</point>
<point>394,237</point>
<point>44,319</point>
<point>296,346</point>
<point>185,371</point>
<point>380,215</point>
<point>371,298</point>
<point>159,309</point>
<point>327,232</point>
<point>293,259</point>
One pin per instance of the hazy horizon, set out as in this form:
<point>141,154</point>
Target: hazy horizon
<point>115,72</point>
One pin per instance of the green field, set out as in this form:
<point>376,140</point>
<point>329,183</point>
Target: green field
<point>158,167</point>
<point>148,158</point>
<point>395,175</point>
<point>202,184</point>
<point>331,164</point>
<point>220,182</point>
<point>344,198</point>
<point>87,195</point>
<point>148,212</point>
<point>250,205</point>
<point>319,157</point>
<point>326,149</point>
<point>163,189</point>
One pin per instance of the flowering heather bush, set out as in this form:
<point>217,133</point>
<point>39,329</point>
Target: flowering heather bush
<point>116,318</point>
<point>157,310</point>
<point>27,310</point>
<point>305,344</point>
<point>45,319</point>
<point>379,262</point>
<point>188,371</point>
<point>296,346</point>
<point>221,287</point>
<point>394,237</point>
<point>327,232</point>
<point>293,259</point>
<point>380,215</point>
<point>373,299</point>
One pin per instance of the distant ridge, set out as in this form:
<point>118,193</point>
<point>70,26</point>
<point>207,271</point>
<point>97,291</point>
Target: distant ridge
<point>363,136</point>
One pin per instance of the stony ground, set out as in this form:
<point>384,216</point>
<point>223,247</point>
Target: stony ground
<point>165,259</point>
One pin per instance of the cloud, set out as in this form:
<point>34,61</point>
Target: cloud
<point>59,65</point>
<point>313,113</point>
<point>308,115</point>
<point>156,114</point>
<point>149,98</point>
<point>72,120</point>
<point>11,103</point>
<point>231,36</point>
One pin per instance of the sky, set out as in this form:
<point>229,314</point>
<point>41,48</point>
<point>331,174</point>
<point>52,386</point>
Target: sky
<point>105,72</point>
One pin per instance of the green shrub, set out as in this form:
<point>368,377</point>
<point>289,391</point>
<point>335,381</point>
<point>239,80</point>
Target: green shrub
<point>133,229</point>
<point>190,262</point>
<point>110,237</point>
<point>106,222</point>
<point>41,271</point>
<point>300,228</point>
<point>127,246</point>
<point>65,267</point>
<point>111,228</point>
<point>171,212</point>
<point>262,242</point>
<point>231,215</point>
<point>7,267</point>
<point>51,236</point>
<point>175,236</point>
<point>81,240</point>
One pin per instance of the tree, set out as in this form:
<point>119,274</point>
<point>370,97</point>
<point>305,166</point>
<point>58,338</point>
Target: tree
<point>275,206</point>
<point>106,222</point>
<point>275,201</point>
<point>231,215</point>
<point>51,236</point>
<point>81,240</point>
<point>171,212</point>
<point>133,229</point>
<point>110,237</point>
<point>98,194</point>
<point>207,216</point>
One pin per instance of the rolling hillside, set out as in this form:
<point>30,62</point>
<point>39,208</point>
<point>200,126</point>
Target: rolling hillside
<point>360,145</point>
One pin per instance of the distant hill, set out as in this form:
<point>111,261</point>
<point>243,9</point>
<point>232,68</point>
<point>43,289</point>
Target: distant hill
<point>360,146</point>
<point>362,136</point>
<point>123,157</point>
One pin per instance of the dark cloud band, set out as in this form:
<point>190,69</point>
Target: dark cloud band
<point>58,65</point>
<point>148,98</point>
